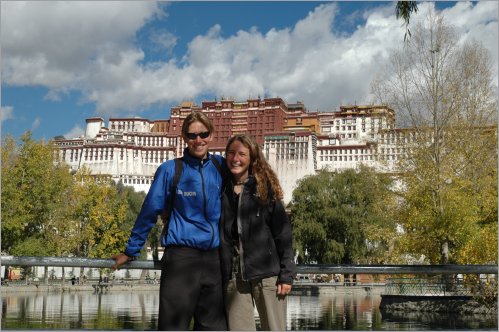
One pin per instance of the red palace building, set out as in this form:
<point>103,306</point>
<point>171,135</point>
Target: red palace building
<point>255,117</point>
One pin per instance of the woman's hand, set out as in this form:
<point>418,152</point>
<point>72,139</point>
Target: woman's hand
<point>283,289</point>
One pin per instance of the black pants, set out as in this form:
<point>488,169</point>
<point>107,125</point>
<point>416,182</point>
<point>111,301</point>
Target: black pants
<point>191,287</point>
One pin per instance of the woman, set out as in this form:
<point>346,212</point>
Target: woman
<point>256,241</point>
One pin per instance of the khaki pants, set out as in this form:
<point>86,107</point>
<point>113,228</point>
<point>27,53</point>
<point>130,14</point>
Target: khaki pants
<point>240,296</point>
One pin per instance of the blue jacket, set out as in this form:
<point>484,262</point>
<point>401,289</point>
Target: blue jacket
<point>195,217</point>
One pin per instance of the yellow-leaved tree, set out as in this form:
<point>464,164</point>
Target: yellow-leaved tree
<point>446,98</point>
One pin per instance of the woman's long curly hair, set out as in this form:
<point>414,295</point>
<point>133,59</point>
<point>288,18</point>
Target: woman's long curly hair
<point>259,167</point>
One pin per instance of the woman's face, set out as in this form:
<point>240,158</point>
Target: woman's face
<point>238,160</point>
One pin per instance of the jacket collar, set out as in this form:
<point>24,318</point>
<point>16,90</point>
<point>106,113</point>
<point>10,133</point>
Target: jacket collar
<point>250,186</point>
<point>191,160</point>
<point>250,182</point>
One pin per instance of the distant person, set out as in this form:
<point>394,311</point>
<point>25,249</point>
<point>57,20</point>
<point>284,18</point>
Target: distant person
<point>155,278</point>
<point>191,282</point>
<point>257,256</point>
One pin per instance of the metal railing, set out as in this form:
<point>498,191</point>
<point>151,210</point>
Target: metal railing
<point>305,269</point>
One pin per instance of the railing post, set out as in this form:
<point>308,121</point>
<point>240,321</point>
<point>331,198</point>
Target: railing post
<point>46,275</point>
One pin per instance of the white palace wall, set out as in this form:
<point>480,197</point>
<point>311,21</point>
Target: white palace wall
<point>290,170</point>
<point>130,152</point>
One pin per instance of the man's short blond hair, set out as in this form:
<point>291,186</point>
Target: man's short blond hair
<point>199,117</point>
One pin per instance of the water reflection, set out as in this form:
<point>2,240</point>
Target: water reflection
<point>359,311</point>
<point>334,312</point>
<point>81,310</point>
<point>138,311</point>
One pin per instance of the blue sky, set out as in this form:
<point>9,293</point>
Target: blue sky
<point>63,62</point>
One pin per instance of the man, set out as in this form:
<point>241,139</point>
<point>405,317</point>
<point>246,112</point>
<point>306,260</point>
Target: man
<point>191,283</point>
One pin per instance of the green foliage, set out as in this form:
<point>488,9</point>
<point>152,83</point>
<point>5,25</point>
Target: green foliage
<point>97,217</point>
<point>446,206</point>
<point>487,294</point>
<point>443,92</point>
<point>48,212</point>
<point>33,246</point>
<point>449,200</point>
<point>30,203</point>
<point>403,10</point>
<point>342,217</point>
<point>154,238</point>
<point>12,220</point>
<point>134,202</point>
<point>480,247</point>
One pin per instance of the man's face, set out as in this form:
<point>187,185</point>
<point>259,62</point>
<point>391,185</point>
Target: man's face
<point>197,141</point>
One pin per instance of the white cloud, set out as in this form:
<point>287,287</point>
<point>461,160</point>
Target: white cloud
<point>73,45</point>
<point>76,131</point>
<point>310,62</point>
<point>477,22</point>
<point>6,113</point>
<point>36,123</point>
<point>164,40</point>
<point>51,43</point>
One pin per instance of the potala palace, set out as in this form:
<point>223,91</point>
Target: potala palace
<point>296,142</point>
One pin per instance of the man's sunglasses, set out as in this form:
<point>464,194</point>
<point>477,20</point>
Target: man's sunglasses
<point>203,135</point>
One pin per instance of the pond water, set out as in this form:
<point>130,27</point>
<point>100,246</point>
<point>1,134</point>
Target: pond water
<point>138,311</point>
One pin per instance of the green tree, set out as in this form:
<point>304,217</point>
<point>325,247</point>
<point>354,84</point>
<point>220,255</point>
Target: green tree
<point>12,220</point>
<point>134,202</point>
<point>98,214</point>
<point>47,211</point>
<point>343,217</point>
<point>154,239</point>
<point>444,93</point>
<point>34,191</point>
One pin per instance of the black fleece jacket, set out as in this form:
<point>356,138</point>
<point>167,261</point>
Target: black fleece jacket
<point>265,246</point>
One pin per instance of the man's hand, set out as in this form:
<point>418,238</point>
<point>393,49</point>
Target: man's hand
<point>283,289</point>
<point>120,259</point>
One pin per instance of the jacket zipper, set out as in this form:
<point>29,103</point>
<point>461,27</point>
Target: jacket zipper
<point>240,233</point>
<point>204,205</point>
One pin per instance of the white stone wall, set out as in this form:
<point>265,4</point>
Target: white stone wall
<point>289,173</point>
<point>131,157</point>
<point>289,169</point>
<point>352,141</point>
<point>93,127</point>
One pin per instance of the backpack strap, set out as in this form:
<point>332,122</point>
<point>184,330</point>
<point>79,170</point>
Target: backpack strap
<point>216,163</point>
<point>222,170</point>
<point>179,167</point>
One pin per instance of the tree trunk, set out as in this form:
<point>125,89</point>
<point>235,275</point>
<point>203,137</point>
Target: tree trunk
<point>444,253</point>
